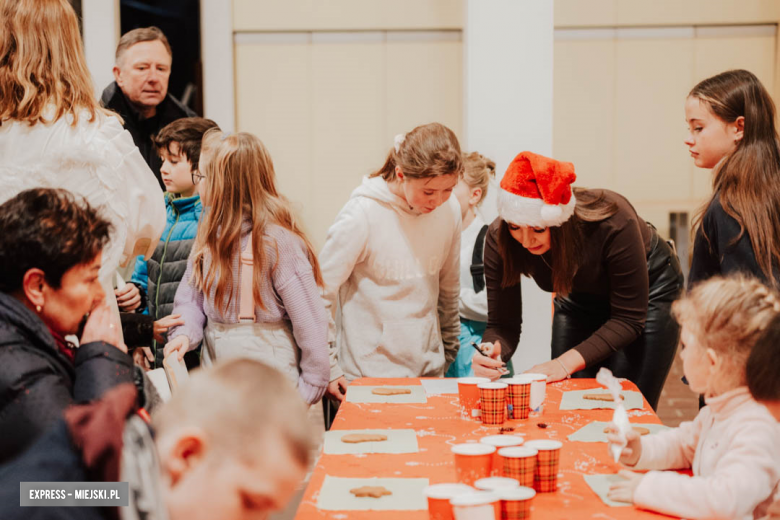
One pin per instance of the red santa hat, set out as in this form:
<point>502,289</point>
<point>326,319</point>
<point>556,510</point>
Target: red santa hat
<point>536,191</point>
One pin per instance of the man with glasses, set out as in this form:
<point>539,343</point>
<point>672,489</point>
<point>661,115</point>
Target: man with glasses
<point>154,281</point>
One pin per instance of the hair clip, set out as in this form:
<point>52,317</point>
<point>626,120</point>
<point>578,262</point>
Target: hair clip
<point>225,135</point>
<point>399,139</point>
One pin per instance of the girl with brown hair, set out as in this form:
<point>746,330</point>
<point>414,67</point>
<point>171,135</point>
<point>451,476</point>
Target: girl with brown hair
<point>731,120</point>
<point>252,280</point>
<point>614,278</point>
<point>390,263</point>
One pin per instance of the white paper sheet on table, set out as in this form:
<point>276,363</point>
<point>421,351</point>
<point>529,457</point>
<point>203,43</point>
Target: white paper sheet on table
<point>446,385</point>
<point>398,441</point>
<point>574,400</point>
<point>362,394</point>
<point>594,432</point>
<point>407,494</point>
<point>600,485</point>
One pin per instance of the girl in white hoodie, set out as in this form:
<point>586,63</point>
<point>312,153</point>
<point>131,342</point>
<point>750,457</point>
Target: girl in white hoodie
<point>733,445</point>
<point>391,263</point>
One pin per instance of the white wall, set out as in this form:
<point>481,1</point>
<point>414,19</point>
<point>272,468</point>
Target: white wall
<point>100,22</point>
<point>216,47</point>
<point>508,62</point>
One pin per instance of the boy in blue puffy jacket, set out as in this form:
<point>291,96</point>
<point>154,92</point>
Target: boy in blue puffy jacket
<point>154,282</point>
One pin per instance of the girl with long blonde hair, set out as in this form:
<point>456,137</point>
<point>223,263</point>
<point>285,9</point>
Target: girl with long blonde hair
<point>251,288</point>
<point>53,134</point>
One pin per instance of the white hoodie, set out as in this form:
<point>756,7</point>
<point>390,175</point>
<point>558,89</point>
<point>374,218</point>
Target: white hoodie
<point>395,274</point>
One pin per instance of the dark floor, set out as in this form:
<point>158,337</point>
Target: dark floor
<point>677,402</point>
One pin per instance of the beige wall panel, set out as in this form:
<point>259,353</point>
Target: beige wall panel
<point>273,96</point>
<point>424,85</point>
<point>696,12</point>
<point>715,55</point>
<point>348,105</point>
<point>303,15</point>
<point>653,77</point>
<point>579,13</point>
<point>583,109</point>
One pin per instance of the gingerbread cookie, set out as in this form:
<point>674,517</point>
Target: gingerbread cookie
<point>356,438</point>
<point>370,491</point>
<point>391,391</point>
<point>599,397</point>
<point>639,429</point>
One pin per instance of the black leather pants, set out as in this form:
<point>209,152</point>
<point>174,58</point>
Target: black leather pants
<point>649,358</point>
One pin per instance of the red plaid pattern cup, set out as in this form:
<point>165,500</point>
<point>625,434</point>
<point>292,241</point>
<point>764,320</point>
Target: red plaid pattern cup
<point>547,461</point>
<point>519,396</point>
<point>473,461</point>
<point>515,502</point>
<point>500,441</point>
<point>480,505</point>
<point>439,496</point>
<point>495,483</point>
<point>492,397</point>
<point>468,394</point>
<point>519,464</point>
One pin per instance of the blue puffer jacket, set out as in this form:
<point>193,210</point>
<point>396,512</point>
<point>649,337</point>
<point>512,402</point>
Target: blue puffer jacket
<point>161,274</point>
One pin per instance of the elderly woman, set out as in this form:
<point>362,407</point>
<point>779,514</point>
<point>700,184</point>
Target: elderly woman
<point>54,134</point>
<point>50,255</point>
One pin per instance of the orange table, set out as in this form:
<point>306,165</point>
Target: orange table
<point>439,425</point>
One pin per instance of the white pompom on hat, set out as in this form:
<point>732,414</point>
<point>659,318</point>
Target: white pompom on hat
<point>536,191</point>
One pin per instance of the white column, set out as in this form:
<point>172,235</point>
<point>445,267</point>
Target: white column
<point>508,63</point>
<point>216,41</point>
<point>100,23</point>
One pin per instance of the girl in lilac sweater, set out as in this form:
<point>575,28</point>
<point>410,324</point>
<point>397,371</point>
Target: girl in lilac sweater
<point>251,288</point>
<point>733,445</point>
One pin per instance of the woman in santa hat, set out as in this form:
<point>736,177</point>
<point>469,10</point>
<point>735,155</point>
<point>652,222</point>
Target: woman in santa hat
<point>614,278</point>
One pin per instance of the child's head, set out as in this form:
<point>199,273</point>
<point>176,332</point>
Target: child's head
<point>233,442</point>
<point>725,111</point>
<point>762,368</point>
<point>426,163</point>
<point>472,187</point>
<point>721,319</point>
<point>179,145</point>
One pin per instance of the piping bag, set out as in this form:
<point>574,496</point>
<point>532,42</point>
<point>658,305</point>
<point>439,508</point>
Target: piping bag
<point>620,417</point>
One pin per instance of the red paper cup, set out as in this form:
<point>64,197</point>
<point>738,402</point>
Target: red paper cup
<point>480,505</point>
<point>468,393</point>
<point>495,483</point>
<point>439,496</point>
<point>538,389</point>
<point>515,502</point>
<point>492,398</point>
<point>547,460</point>
<point>519,464</point>
<point>473,461</point>
<point>519,396</point>
<point>500,441</point>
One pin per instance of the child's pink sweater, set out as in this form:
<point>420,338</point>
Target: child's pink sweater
<point>733,448</point>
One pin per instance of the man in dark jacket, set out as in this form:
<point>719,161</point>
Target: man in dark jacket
<point>139,93</point>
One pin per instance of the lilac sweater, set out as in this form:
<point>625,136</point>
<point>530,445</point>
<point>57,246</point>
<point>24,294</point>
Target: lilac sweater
<point>289,292</point>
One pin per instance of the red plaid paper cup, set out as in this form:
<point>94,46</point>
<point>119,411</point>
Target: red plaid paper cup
<point>439,496</point>
<point>519,397</point>
<point>492,398</point>
<point>500,441</point>
<point>479,505</point>
<point>515,502</point>
<point>468,394</point>
<point>495,483</point>
<point>547,460</point>
<point>473,461</point>
<point>519,464</point>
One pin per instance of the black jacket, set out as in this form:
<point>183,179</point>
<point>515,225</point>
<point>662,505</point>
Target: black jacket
<point>143,130</point>
<point>37,381</point>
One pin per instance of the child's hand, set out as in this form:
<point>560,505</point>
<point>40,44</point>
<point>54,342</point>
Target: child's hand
<point>337,389</point>
<point>143,357</point>
<point>624,491</point>
<point>488,364</point>
<point>774,511</point>
<point>179,344</point>
<point>633,450</point>
<point>128,298</point>
<point>162,325</point>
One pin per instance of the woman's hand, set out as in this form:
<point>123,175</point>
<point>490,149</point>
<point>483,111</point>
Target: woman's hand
<point>337,389</point>
<point>128,298</point>
<point>633,450</point>
<point>162,325</point>
<point>180,345</point>
<point>624,491</point>
<point>103,325</point>
<point>561,367</point>
<point>489,363</point>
